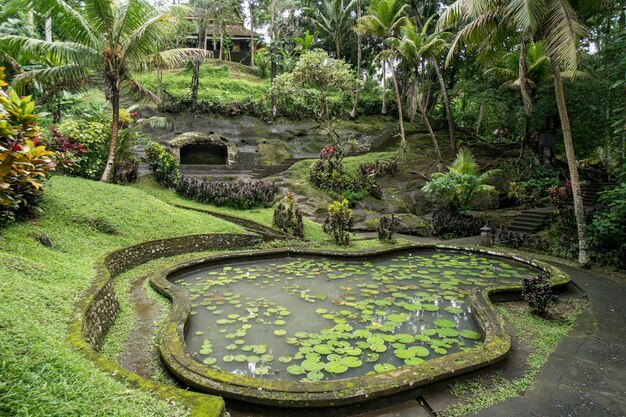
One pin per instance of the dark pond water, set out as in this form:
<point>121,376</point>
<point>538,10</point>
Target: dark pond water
<point>310,318</point>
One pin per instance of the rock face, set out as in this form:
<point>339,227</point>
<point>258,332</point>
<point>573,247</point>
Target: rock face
<point>190,139</point>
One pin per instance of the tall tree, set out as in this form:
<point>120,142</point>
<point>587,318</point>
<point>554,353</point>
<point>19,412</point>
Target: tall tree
<point>333,18</point>
<point>384,21</point>
<point>415,47</point>
<point>559,24</point>
<point>103,38</point>
<point>359,58</point>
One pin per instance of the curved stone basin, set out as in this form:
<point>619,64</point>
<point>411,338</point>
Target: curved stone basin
<point>293,328</point>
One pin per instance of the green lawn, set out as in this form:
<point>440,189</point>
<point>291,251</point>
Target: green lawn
<point>41,374</point>
<point>219,80</point>
<point>312,231</point>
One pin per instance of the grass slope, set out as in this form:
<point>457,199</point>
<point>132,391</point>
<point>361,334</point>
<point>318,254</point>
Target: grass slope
<point>39,373</point>
<point>219,80</point>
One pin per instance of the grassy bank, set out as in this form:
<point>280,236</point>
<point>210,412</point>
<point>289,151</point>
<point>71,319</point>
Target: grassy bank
<point>39,373</point>
<point>227,82</point>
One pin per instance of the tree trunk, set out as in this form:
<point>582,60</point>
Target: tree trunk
<point>384,109</point>
<point>446,103</point>
<point>115,118</point>
<point>432,134</point>
<point>49,29</point>
<point>479,120</point>
<point>221,44</point>
<point>337,47</point>
<point>273,72</point>
<point>195,79</point>
<point>252,45</point>
<point>399,103</point>
<point>160,82</point>
<point>583,246</point>
<point>523,77</point>
<point>358,64</point>
<point>31,23</point>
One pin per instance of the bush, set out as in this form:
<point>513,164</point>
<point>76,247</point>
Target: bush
<point>451,224</point>
<point>328,173</point>
<point>82,147</point>
<point>607,230</point>
<point>387,228</point>
<point>125,170</point>
<point>25,163</point>
<point>339,222</point>
<point>239,195</point>
<point>457,189</point>
<point>164,165</point>
<point>379,168</point>
<point>288,217</point>
<point>561,196</point>
<point>538,293</point>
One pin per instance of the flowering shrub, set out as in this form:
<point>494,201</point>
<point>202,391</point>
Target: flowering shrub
<point>288,217</point>
<point>239,195</point>
<point>339,222</point>
<point>379,168</point>
<point>387,227</point>
<point>81,147</point>
<point>25,163</point>
<point>561,196</point>
<point>164,165</point>
<point>538,294</point>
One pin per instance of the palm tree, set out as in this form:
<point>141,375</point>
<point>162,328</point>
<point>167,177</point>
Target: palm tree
<point>524,76</point>
<point>414,47</point>
<point>104,38</point>
<point>558,23</point>
<point>202,11</point>
<point>333,18</point>
<point>384,21</point>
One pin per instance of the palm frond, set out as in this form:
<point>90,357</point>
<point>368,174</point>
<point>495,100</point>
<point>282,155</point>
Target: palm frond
<point>527,13</point>
<point>140,90</point>
<point>56,52</point>
<point>564,31</point>
<point>62,75</point>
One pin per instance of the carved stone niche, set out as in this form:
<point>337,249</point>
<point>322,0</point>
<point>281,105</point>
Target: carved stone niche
<point>196,148</point>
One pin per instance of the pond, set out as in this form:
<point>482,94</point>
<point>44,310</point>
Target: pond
<point>306,318</point>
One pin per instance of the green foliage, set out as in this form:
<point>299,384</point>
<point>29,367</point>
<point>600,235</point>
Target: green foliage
<point>24,162</point>
<point>538,294</point>
<point>235,194</point>
<point>339,222</point>
<point>41,373</point>
<point>451,224</point>
<point>95,137</point>
<point>387,228</point>
<point>458,188</point>
<point>607,230</point>
<point>313,79</point>
<point>164,165</point>
<point>288,217</point>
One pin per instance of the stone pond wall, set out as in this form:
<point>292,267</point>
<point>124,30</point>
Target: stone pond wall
<point>104,307</point>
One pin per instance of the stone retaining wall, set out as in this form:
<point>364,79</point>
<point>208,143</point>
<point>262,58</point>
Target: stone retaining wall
<point>104,306</point>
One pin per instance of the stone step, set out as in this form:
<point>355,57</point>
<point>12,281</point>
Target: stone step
<point>529,223</point>
<point>520,229</point>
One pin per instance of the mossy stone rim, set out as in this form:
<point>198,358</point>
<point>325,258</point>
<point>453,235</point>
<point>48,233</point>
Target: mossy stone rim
<point>496,344</point>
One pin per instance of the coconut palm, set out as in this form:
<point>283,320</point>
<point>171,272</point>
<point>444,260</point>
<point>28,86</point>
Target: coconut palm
<point>414,47</point>
<point>558,23</point>
<point>384,22</point>
<point>333,18</point>
<point>105,39</point>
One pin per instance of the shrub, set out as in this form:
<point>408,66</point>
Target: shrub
<point>561,196</point>
<point>125,170</point>
<point>387,228</point>
<point>288,217</point>
<point>164,165</point>
<point>82,145</point>
<point>458,188</point>
<point>607,230</point>
<point>379,168</point>
<point>25,163</point>
<point>451,224</point>
<point>538,293</point>
<point>339,222</point>
<point>328,173</point>
<point>239,195</point>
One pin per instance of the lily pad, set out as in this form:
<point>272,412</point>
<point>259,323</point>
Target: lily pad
<point>295,370</point>
<point>335,367</point>
<point>383,367</point>
<point>470,334</point>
